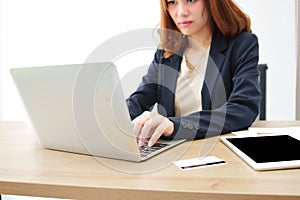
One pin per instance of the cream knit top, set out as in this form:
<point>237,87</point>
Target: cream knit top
<point>189,85</point>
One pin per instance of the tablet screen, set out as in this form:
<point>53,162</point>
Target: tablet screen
<point>268,148</point>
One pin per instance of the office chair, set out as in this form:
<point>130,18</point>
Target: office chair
<point>263,83</point>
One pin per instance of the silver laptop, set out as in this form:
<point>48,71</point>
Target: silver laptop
<point>81,109</point>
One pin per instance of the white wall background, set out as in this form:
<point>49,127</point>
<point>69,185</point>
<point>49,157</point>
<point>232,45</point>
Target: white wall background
<point>50,32</point>
<point>274,22</point>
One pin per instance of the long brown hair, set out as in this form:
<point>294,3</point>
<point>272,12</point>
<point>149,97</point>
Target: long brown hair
<point>225,16</point>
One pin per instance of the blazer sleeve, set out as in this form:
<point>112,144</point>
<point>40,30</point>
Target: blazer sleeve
<point>144,98</point>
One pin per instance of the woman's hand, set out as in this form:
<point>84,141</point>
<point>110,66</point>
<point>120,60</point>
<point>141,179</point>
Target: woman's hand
<point>153,125</point>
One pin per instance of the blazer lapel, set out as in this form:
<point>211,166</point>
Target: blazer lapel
<point>213,71</point>
<point>169,74</point>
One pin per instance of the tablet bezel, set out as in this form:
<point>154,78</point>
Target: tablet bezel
<point>260,166</point>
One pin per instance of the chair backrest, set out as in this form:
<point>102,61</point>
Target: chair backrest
<point>263,83</point>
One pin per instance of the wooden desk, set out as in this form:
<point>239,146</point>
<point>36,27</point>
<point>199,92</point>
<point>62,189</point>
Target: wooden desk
<point>28,170</point>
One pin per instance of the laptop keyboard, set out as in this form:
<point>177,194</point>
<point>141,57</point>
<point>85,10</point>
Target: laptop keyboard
<point>145,150</point>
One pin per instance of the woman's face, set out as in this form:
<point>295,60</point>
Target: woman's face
<point>190,16</point>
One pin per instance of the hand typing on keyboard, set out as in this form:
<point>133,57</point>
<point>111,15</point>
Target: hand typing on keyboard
<point>151,125</point>
<point>146,150</point>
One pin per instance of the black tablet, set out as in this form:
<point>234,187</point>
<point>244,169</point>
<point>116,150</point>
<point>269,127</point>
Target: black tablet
<point>266,152</point>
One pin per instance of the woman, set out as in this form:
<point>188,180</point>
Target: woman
<point>204,75</point>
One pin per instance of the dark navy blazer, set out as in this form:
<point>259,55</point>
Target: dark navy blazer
<point>230,94</point>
